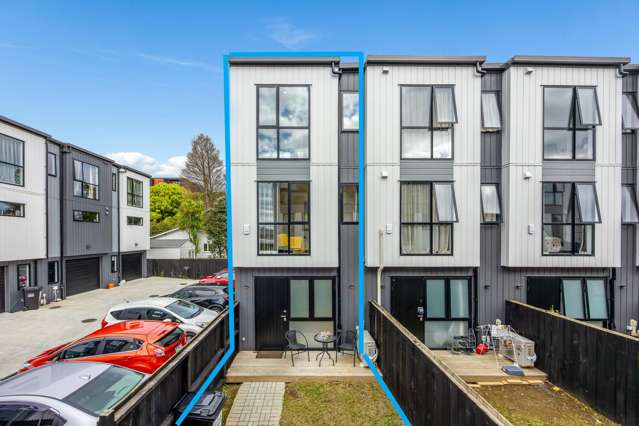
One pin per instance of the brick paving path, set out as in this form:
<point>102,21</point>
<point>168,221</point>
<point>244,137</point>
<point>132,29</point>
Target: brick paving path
<point>257,403</point>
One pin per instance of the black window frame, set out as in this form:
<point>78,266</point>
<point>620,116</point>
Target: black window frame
<point>277,126</point>
<point>289,223</point>
<point>485,129</point>
<point>19,166</point>
<point>114,181</point>
<point>633,193</point>
<point>83,183</point>
<point>341,110</point>
<point>29,278</point>
<point>342,186</point>
<point>132,197</point>
<point>56,272</point>
<point>635,106</point>
<point>447,308</point>
<point>431,127</point>
<point>575,118</point>
<point>55,164</point>
<point>131,222</point>
<point>311,299</point>
<point>20,206</point>
<point>500,216</point>
<point>84,220</point>
<point>585,297</point>
<point>431,223</point>
<point>114,264</point>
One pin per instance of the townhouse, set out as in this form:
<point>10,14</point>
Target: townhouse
<point>484,182</point>
<point>70,220</point>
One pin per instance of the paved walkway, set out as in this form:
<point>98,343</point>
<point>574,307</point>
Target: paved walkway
<point>257,403</point>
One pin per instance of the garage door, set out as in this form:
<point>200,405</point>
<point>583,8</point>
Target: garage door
<point>132,266</point>
<point>2,308</point>
<point>83,275</point>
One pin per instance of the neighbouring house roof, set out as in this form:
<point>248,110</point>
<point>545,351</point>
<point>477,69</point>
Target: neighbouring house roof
<point>164,233</point>
<point>167,243</point>
<point>425,60</point>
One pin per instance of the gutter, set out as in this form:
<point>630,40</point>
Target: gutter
<point>479,69</point>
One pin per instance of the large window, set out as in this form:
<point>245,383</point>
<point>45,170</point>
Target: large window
<point>576,297</point>
<point>570,117</point>
<point>284,226</point>
<point>629,210</point>
<point>134,190</point>
<point>630,111</point>
<point>11,161</point>
<point>349,203</point>
<point>283,122</point>
<point>350,111</point>
<point>11,209</point>
<point>52,164</point>
<point>569,214</point>
<point>490,205</point>
<point>311,299</point>
<point>447,311</point>
<point>84,216</point>
<point>428,211</point>
<point>490,114</point>
<point>86,180</point>
<point>428,114</point>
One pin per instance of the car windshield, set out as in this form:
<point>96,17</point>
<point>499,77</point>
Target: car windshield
<point>184,309</point>
<point>105,391</point>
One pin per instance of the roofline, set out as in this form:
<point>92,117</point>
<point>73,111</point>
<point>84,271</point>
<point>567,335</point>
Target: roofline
<point>165,232</point>
<point>131,169</point>
<point>302,60</point>
<point>86,151</point>
<point>24,127</point>
<point>567,60</point>
<point>165,177</point>
<point>423,60</point>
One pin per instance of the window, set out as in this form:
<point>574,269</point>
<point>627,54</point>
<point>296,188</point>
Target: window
<point>569,214</point>
<point>11,209</point>
<point>283,122</point>
<point>26,414</point>
<point>284,218</point>
<point>630,111</point>
<point>490,114</point>
<point>629,210</point>
<point>134,190</point>
<point>428,114</point>
<point>114,181</point>
<point>350,111</point>
<point>134,220</point>
<point>113,345</point>
<point>84,216</point>
<point>52,164</point>
<point>570,116</point>
<point>311,299</point>
<point>86,180</point>
<point>114,264</point>
<point>427,213</point>
<point>11,161</point>
<point>584,299</point>
<point>24,275</point>
<point>84,349</point>
<point>447,310</point>
<point>53,274</point>
<point>490,205</point>
<point>349,203</point>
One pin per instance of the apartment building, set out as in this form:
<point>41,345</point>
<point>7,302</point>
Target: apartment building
<point>70,220</point>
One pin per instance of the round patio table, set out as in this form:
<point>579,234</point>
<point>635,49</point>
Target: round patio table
<point>325,340</point>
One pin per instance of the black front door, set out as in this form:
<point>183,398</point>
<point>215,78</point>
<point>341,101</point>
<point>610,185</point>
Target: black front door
<point>2,305</point>
<point>271,312</point>
<point>407,303</point>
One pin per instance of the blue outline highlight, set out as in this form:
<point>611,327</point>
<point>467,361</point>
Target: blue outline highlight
<point>229,221</point>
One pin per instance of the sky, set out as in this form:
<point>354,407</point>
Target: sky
<point>138,80</point>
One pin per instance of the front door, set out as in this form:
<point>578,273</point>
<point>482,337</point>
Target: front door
<point>407,303</point>
<point>271,312</point>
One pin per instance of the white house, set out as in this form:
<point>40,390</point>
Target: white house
<point>175,244</point>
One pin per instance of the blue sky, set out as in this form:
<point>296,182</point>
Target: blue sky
<point>140,79</point>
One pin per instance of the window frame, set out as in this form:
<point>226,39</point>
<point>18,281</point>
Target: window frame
<point>86,221</point>
<point>82,182</point>
<point>131,196</point>
<point>447,305</point>
<point>499,112</point>
<point>22,166</point>
<point>55,164</point>
<point>431,128</point>
<point>574,114</point>
<point>633,193</point>
<point>129,222</point>
<point>56,272</point>
<point>22,209</point>
<point>341,203</point>
<point>311,298</point>
<point>29,276</point>
<point>635,106</point>
<point>500,218</point>
<point>289,223</point>
<point>277,126</point>
<point>114,181</point>
<point>341,110</point>
<point>114,263</point>
<point>585,297</point>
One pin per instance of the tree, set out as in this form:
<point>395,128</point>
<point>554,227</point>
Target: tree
<point>190,218</point>
<point>215,226</point>
<point>166,199</point>
<point>204,168</point>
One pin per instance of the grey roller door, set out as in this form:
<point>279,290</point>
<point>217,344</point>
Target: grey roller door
<point>132,266</point>
<point>82,275</point>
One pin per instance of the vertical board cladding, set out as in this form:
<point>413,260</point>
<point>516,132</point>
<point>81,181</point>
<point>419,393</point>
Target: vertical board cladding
<point>383,156</point>
<point>324,132</point>
<point>348,140</point>
<point>522,153</point>
<point>627,288</point>
<point>53,204</point>
<point>134,237</point>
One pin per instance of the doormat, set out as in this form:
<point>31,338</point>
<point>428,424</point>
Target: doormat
<point>269,355</point>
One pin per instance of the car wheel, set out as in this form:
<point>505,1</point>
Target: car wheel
<point>189,335</point>
<point>216,309</point>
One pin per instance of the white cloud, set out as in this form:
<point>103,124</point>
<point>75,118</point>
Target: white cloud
<point>287,34</point>
<point>178,61</point>
<point>172,167</point>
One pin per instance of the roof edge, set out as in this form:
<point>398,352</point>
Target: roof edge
<point>423,60</point>
<point>266,60</point>
<point>26,128</point>
<point>131,169</point>
<point>568,60</point>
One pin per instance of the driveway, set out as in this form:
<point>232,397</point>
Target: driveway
<point>28,333</point>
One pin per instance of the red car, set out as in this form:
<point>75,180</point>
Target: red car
<point>139,345</point>
<point>221,278</point>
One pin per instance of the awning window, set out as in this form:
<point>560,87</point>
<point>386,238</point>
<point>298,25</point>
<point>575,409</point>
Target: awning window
<point>445,112</point>
<point>587,204</point>
<point>630,111</point>
<point>445,206</point>
<point>629,211</point>
<point>490,115</point>
<point>588,106</point>
<point>490,206</point>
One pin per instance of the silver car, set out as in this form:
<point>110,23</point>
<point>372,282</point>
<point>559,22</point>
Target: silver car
<point>73,393</point>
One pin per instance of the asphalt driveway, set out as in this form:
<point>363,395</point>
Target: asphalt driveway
<point>28,333</point>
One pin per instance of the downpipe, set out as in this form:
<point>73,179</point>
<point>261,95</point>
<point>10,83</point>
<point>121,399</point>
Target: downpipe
<point>380,269</point>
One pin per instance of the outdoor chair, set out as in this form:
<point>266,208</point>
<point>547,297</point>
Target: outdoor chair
<point>346,342</point>
<point>294,344</point>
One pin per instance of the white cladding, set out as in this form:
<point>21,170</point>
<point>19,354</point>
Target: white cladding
<point>383,155</point>
<point>25,237</point>
<point>134,237</point>
<point>522,152</point>
<point>323,162</point>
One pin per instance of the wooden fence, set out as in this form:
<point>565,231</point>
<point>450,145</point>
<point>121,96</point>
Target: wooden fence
<point>427,390</point>
<point>184,268</point>
<point>152,402</point>
<point>598,366</point>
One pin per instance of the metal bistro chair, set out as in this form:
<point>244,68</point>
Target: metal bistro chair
<point>346,342</point>
<point>295,346</point>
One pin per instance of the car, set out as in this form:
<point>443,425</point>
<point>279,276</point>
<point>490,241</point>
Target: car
<point>220,278</point>
<point>211,297</point>
<point>191,317</point>
<point>65,393</point>
<point>139,345</point>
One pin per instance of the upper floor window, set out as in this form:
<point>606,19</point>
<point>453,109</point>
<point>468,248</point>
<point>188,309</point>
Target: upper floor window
<point>428,114</point>
<point>11,161</point>
<point>11,209</point>
<point>284,223</point>
<point>490,205</point>
<point>84,216</point>
<point>570,211</point>
<point>114,181</point>
<point>283,122</point>
<point>350,111</point>
<point>629,210</point>
<point>134,190</point>
<point>52,164</point>
<point>86,180</point>
<point>490,113</point>
<point>349,203</point>
<point>570,117</point>
<point>134,220</point>
<point>630,111</point>
<point>427,212</point>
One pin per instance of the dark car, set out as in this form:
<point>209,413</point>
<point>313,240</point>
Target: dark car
<point>209,297</point>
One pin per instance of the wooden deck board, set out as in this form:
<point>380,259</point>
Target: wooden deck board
<point>247,368</point>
